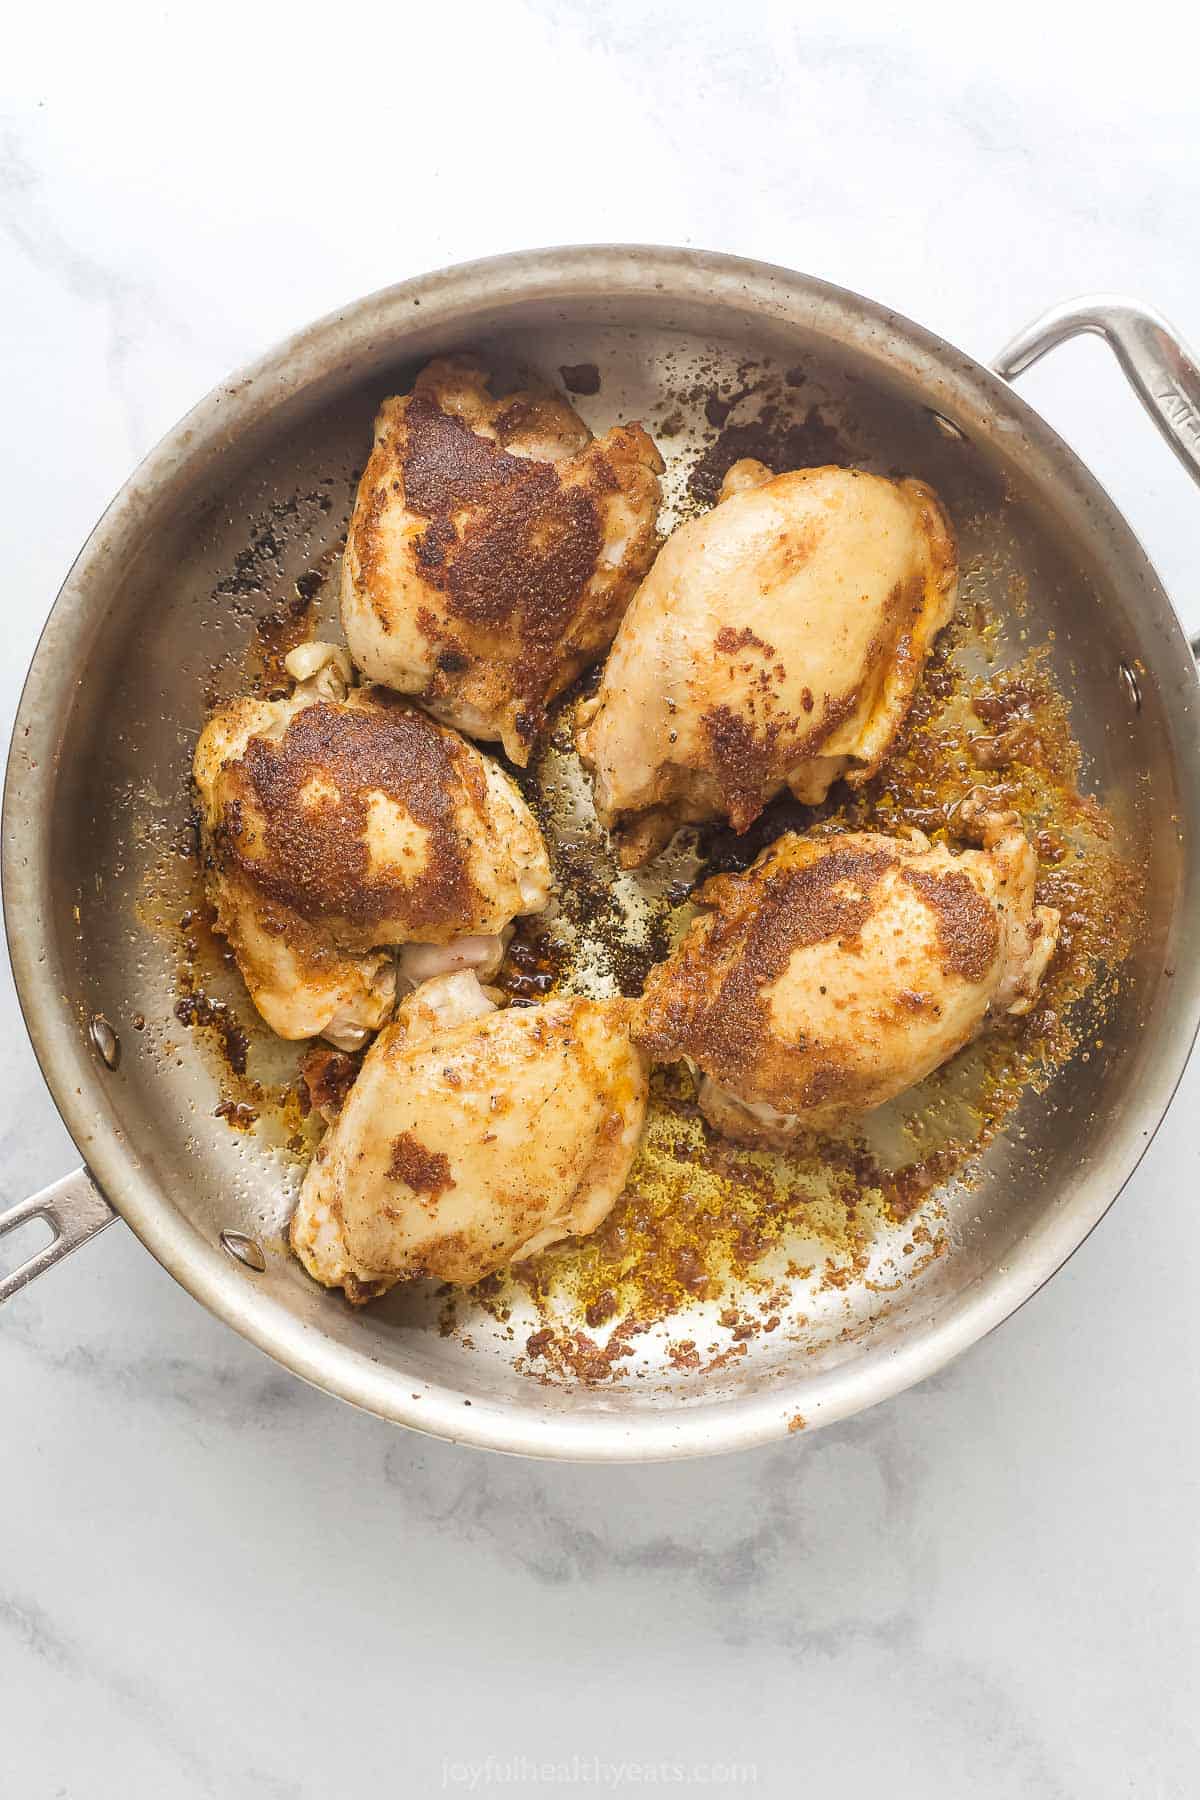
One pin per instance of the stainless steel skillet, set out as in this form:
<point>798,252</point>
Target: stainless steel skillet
<point>106,723</point>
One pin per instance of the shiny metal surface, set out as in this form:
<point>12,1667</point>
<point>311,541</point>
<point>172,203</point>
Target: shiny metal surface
<point>246,1250</point>
<point>105,1041</point>
<point>75,1210</point>
<point>103,743</point>
<point>1159,366</point>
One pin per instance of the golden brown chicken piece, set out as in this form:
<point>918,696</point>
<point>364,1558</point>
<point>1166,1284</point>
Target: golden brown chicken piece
<point>493,548</point>
<point>340,822</point>
<point>839,970</point>
<point>472,1139</point>
<point>776,643</point>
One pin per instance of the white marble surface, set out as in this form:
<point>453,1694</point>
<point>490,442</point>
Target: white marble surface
<point>214,1581</point>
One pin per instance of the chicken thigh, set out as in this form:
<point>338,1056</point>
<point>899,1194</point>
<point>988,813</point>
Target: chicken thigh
<point>776,642</point>
<point>472,1138</point>
<point>839,970</point>
<point>340,822</point>
<point>493,548</point>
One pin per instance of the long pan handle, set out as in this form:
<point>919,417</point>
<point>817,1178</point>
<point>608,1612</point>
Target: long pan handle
<point>74,1208</point>
<point>1158,365</point>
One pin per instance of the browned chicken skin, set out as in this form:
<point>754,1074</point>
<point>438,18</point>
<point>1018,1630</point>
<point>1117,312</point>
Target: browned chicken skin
<point>841,969</point>
<point>493,548</point>
<point>472,1138</point>
<point>776,643</point>
<point>339,823</point>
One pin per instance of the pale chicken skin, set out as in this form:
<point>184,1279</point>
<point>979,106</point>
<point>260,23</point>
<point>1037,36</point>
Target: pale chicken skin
<point>777,642</point>
<point>472,1138</point>
<point>339,824</point>
<point>493,548</point>
<point>840,970</point>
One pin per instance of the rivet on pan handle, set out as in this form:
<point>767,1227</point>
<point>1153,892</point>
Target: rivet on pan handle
<point>74,1208</point>
<point>1160,368</point>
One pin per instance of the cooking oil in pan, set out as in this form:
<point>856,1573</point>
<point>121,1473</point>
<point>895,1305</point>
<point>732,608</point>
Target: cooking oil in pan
<point>713,1244</point>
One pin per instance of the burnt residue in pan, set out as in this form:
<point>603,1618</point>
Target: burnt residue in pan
<point>290,622</point>
<point>705,1223</point>
<point>212,1006</point>
<point>703,1219</point>
<point>774,436</point>
<point>761,412</point>
<point>580,378</point>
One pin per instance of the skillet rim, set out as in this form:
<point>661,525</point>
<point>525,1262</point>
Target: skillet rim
<point>72,1075</point>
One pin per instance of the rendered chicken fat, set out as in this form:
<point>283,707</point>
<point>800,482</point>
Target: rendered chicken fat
<point>493,548</point>
<point>341,822</point>
<point>840,970</point>
<point>472,1138</point>
<point>776,643</point>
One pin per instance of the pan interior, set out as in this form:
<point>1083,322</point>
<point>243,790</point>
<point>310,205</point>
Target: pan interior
<point>265,513</point>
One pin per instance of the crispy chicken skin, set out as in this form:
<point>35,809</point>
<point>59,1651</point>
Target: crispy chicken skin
<point>839,970</point>
<point>340,822</point>
<point>776,642</point>
<point>493,548</point>
<point>472,1138</point>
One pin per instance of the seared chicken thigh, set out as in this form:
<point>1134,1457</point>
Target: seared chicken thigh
<point>493,548</point>
<point>472,1138</point>
<point>838,971</point>
<point>776,643</point>
<point>340,822</point>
